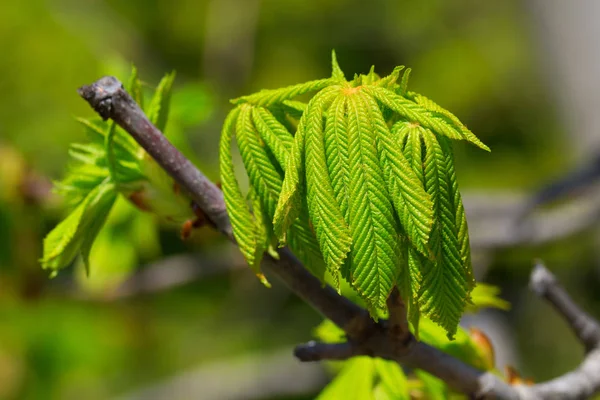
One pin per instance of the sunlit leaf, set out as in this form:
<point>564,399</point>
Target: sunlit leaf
<point>354,381</point>
<point>76,233</point>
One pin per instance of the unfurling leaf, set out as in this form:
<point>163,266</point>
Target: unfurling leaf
<point>393,379</point>
<point>112,164</point>
<point>158,109</point>
<point>244,224</point>
<point>76,233</point>
<point>354,382</point>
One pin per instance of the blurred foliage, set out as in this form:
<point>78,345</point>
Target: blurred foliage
<point>475,58</point>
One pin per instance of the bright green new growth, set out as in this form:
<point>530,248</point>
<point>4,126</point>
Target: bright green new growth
<point>360,181</point>
<point>112,163</point>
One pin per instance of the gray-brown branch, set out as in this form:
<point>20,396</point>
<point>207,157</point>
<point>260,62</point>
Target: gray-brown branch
<point>108,98</point>
<point>545,285</point>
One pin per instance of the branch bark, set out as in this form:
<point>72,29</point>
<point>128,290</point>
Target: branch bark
<point>314,351</point>
<point>110,100</point>
<point>545,285</point>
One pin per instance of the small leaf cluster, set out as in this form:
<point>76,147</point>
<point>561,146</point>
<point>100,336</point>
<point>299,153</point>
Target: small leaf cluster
<point>359,182</point>
<point>109,165</point>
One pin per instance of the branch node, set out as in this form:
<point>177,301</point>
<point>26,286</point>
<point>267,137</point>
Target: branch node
<point>397,322</point>
<point>100,95</point>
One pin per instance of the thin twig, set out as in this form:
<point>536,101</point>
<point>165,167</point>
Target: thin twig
<point>315,351</point>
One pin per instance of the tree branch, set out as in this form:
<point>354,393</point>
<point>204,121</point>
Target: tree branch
<point>314,351</point>
<point>584,381</point>
<point>110,100</point>
<point>545,285</point>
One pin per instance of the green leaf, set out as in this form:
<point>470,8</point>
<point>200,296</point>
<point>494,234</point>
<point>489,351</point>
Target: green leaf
<point>438,112</point>
<point>61,245</point>
<point>290,199</point>
<point>411,286</point>
<point>336,72</point>
<point>336,148</point>
<point>434,388</point>
<point>330,227</point>
<point>412,204</point>
<point>370,78</point>
<point>134,87</point>
<point>375,261</point>
<point>269,97</point>
<point>245,229</point>
<point>392,379</point>
<point>461,347</point>
<point>264,177</point>
<point>354,382</point>
<point>458,210</point>
<point>96,131</point>
<point>101,206</point>
<point>414,112</point>
<point>158,109</point>
<point>389,82</point>
<point>294,108</point>
<point>83,174</point>
<point>262,229</point>
<point>486,296</point>
<point>275,135</point>
<point>111,149</point>
<point>446,283</point>
<point>300,237</point>
<point>328,332</point>
<point>303,243</point>
<point>404,83</point>
<point>159,194</point>
<point>76,233</point>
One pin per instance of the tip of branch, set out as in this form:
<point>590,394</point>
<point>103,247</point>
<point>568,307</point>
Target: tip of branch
<point>306,352</point>
<point>99,94</point>
<point>541,278</point>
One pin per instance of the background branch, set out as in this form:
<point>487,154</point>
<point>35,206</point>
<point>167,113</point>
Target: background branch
<point>545,285</point>
<point>515,223</point>
<point>250,377</point>
<point>110,100</point>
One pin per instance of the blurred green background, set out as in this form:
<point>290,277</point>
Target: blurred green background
<point>162,318</point>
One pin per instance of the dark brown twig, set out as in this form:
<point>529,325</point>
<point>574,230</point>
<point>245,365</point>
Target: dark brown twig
<point>314,351</point>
